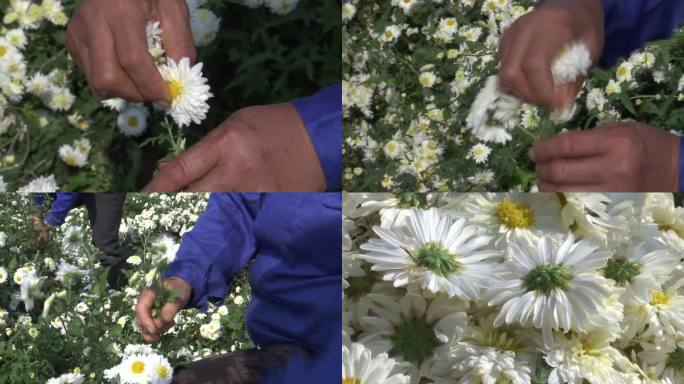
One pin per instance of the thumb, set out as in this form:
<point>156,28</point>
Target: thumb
<point>176,31</point>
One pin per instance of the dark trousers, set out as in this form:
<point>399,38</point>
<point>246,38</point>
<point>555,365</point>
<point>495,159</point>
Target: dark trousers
<point>249,366</point>
<point>105,211</point>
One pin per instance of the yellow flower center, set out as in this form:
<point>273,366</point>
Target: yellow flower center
<point>659,298</point>
<point>175,89</point>
<point>138,367</point>
<point>515,215</point>
<point>70,160</point>
<point>389,34</point>
<point>162,371</point>
<point>133,121</point>
<point>3,50</point>
<point>351,380</point>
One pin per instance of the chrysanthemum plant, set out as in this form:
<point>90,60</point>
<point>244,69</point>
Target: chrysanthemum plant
<point>413,70</point>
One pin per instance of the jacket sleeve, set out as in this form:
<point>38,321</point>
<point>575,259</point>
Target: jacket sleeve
<point>219,245</point>
<point>629,24</point>
<point>322,117</point>
<point>64,202</point>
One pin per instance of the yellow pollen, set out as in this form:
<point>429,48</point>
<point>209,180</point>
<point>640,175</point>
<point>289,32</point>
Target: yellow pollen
<point>351,380</point>
<point>659,298</point>
<point>162,371</point>
<point>133,121</point>
<point>70,160</point>
<point>515,215</point>
<point>175,89</point>
<point>388,34</point>
<point>138,367</point>
<point>3,50</point>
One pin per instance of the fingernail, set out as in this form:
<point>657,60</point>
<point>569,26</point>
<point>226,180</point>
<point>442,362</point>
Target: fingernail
<point>162,163</point>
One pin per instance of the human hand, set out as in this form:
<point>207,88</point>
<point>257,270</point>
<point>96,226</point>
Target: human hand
<point>151,326</point>
<point>530,45</point>
<point>616,157</point>
<point>42,229</point>
<point>263,148</point>
<point>108,41</point>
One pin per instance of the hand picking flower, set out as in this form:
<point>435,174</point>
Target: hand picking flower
<point>494,114</point>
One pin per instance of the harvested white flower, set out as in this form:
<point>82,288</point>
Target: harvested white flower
<point>189,91</point>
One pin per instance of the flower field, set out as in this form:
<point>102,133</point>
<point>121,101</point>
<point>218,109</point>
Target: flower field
<point>513,288</point>
<point>54,134</point>
<point>60,321</point>
<point>412,71</point>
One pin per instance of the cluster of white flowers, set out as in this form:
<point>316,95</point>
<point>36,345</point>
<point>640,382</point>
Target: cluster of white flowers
<point>280,7</point>
<point>22,20</point>
<point>514,288</point>
<point>412,72</point>
<point>140,364</point>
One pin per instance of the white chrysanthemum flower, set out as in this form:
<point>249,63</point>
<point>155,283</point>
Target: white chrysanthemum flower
<point>189,91</point>
<point>205,25</point>
<point>661,317</point>
<point>30,289</point>
<point>572,63</point>
<point>135,369</point>
<point>435,252</point>
<point>348,11</point>
<point>161,371</point>
<point>479,153</point>
<point>39,84</point>
<point>167,247</point>
<point>83,145</point>
<point>132,121</point>
<point>17,38</point>
<point>493,114</point>
<point>67,273</point>
<point>3,275</point>
<point>414,329</point>
<point>360,367</point>
<point>515,214</point>
<point>487,355</point>
<point>68,378</point>
<point>552,287</point>
<point>391,34</point>
<point>115,104</point>
<point>662,222</point>
<point>60,99</point>
<point>666,360</point>
<point>72,156</point>
<point>42,184</point>
<point>639,271</point>
<point>577,358</point>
